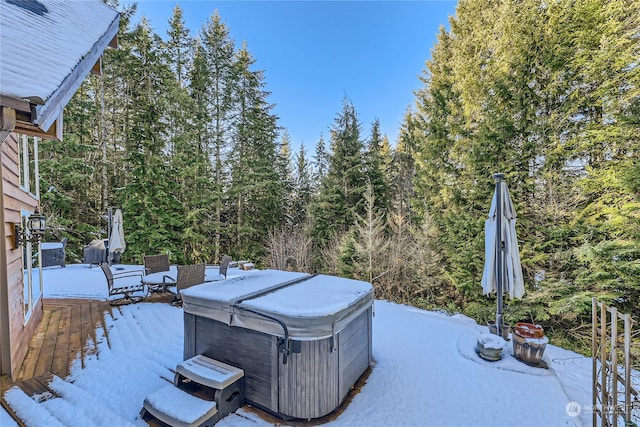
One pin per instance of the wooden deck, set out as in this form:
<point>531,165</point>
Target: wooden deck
<point>67,333</point>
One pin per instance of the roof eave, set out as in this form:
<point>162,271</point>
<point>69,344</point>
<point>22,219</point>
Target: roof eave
<point>51,111</point>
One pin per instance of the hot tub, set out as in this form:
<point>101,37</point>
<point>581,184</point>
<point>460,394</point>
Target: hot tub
<point>302,340</point>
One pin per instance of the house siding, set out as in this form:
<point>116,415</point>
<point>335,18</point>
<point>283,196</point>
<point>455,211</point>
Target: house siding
<point>14,200</point>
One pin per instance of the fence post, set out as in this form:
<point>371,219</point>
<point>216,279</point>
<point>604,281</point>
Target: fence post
<point>594,358</point>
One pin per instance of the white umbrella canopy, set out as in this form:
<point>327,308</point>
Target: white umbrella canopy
<point>502,258</point>
<point>116,241</point>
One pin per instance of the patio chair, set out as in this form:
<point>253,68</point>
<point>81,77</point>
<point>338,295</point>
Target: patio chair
<point>188,275</point>
<point>224,265</point>
<point>156,263</point>
<point>125,284</point>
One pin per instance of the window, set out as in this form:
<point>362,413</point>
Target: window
<point>31,271</point>
<point>28,165</point>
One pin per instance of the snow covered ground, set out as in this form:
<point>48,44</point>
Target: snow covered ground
<point>426,372</point>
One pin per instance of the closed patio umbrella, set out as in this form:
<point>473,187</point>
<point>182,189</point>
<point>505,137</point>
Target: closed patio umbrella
<point>502,269</point>
<point>117,244</point>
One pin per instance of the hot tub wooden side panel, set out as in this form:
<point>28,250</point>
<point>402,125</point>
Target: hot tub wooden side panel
<point>354,348</point>
<point>309,380</point>
<point>254,352</point>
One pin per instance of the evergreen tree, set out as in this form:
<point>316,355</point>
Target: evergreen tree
<point>218,58</point>
<point>604,62</point>
<point>375,169</point>
<point>370,239</point>
<point>402,169</point>
<point>342,189</point>
<point>386,155</point>
<point>535,90</point>
<point>179,47</point>
<point>189,160</point>
<point>303,189</point>
<point>287,177</point>
<point>320,161</point>
<point>152,210</point>
<point>257,184</point>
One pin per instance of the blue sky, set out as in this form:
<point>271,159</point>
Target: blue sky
<point>314,53</point>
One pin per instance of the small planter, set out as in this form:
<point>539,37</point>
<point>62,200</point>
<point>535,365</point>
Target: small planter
<point>529,330</point>
<point>506,329</point>
<point>489,347</point>
<point>529,343</point>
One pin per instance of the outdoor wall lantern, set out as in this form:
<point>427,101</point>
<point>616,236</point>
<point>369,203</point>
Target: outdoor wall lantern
<point>36,224</point>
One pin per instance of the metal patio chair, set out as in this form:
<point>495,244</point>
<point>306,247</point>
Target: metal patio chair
<point>188,275</point>
<point>155,263</point>
<point>124,284</point>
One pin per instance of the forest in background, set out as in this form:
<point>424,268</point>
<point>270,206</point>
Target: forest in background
<point>179,133</point>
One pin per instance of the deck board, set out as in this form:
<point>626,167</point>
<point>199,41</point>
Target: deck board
<point>61,350</point>
<point>66,333</point>
<point>68,327</point>
<point>86,331</point>
<point>75,332</point>
<point>29,365</point>
<point>45,358</point>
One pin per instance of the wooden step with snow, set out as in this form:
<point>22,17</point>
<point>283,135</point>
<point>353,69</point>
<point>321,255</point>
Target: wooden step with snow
<point>28,410</point>
<point>204,391</point>
<point>178,408</point>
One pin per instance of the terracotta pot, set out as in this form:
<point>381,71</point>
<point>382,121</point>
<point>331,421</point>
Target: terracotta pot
<point>529,330</point>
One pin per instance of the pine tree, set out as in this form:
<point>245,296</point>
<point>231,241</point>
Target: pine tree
<point>257,181</point>
<point>342,189</point>
<point>179,47</point>
<point>543,92</point>
<point>287,177</point>
<point>603,59</point>
<point>303,188</point>
<point>375,169</point>
<point>189,161</point>
<point>217,55</point>
<point>402,169</point>
<point>153,212</point>
<point>320,161</point>
<point>370,239</point>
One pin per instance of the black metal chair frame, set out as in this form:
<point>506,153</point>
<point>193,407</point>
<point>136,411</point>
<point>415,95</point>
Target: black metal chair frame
<point>125,290</point>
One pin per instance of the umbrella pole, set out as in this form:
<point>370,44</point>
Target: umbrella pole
<point>109,219</point>
<point>499,251</point>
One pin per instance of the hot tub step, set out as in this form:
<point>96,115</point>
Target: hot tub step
<point>204,391</point>
<point>225,381</point>
<point>210,372</point>
<point>178,408</point>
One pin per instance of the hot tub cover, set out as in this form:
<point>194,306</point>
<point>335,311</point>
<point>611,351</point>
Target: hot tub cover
<point>312,307</point>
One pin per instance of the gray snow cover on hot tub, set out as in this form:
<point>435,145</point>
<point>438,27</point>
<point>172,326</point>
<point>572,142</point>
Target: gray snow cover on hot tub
<point>312,307</point>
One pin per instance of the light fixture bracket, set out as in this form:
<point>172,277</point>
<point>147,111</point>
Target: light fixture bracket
<point>36,226</point>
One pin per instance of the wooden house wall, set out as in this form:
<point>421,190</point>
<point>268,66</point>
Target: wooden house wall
<point>15,199</point>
